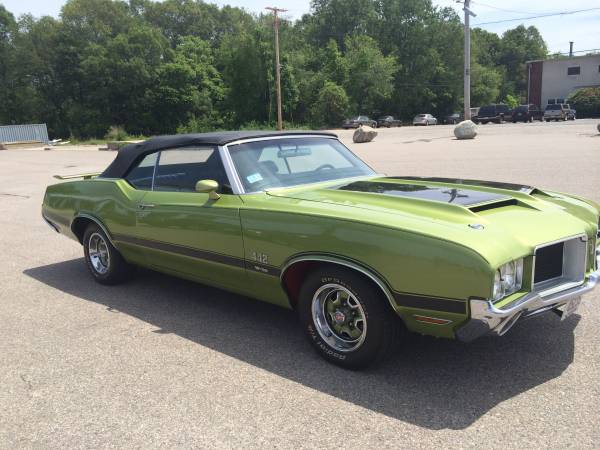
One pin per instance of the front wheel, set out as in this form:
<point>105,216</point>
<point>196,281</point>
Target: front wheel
<point>103,260</point>
<point>346,318</point>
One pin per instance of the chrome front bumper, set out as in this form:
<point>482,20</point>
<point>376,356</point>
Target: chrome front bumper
<point>487,319</point>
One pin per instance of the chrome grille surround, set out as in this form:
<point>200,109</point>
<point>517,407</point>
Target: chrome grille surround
<point>574,264</point>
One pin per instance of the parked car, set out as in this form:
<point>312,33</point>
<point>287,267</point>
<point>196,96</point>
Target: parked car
<point>571,113</point>
<point>357,121</point>
<point>388,121</point>
<point>424,119</point>
<point>493,113</point>
<point>556,112</point>
<point>527,113</point>
<point>454,118</point>
<point>475,113</point>
<point>296,219</point>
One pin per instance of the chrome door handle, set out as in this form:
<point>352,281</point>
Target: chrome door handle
<point>146,205</point>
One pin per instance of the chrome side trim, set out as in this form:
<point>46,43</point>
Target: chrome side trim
<point>234,179</point>
<point>487,319</point>
<point>96,221</point>
<point>283,136</point>
<point>342,262</point>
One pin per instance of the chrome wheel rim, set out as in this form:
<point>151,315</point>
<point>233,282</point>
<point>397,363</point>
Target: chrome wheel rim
<point>98,253</point>
<point>339,317</point>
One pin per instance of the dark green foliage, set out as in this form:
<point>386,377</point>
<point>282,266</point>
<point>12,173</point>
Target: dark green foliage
<point>331,106</point>
<point>586,101</point>
<point>152,67</point>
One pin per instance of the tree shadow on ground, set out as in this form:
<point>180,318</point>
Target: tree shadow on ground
<point>433,383</point>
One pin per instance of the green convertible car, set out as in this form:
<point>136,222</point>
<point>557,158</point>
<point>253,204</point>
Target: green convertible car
<point>296,219</point>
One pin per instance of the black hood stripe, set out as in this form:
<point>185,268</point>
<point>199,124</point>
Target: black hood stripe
<point>492,184</point>
<point>462,197</point>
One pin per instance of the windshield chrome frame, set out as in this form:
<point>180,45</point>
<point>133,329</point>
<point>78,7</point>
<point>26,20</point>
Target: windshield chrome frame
<point>236,184</point>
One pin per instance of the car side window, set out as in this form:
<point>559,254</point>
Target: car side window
<point>179,169</point>
<point>140,177</point>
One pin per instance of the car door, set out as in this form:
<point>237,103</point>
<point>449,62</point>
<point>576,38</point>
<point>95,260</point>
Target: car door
<point>186,232</point>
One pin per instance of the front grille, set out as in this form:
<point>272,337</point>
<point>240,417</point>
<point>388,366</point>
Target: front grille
<point>549,262</point>
<point>560,265</point>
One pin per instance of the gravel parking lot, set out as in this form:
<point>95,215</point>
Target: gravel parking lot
<point>161,362</point>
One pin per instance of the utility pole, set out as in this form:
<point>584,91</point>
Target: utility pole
<point>467,75</point>
<point>275,11</point>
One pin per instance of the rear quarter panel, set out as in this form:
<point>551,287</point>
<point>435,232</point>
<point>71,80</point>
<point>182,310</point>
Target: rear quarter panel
<point>111,201</point>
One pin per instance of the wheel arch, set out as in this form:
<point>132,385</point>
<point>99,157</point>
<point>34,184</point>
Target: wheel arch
<point>82,221</point>
<point>296,268</point>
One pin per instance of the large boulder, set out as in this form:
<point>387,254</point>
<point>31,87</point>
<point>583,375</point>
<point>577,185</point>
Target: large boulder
<point>465,130</point>
<point>364,134</point>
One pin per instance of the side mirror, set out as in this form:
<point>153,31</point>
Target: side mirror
<point>208,187</point>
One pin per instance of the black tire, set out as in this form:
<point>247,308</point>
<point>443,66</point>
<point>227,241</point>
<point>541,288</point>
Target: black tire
<point>382,327</point>
<point>116,269</point>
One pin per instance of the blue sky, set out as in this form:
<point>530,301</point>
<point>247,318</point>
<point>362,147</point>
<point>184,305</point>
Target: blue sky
<point>583,28</point>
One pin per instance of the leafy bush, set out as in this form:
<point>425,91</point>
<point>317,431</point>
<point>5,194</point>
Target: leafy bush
<point>331,106</point>
<point>586,101</point>
<point>197,125</point>
<point>116,133</point>
<point>511,101</point>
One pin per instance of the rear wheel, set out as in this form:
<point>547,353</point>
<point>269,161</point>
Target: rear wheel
<point>346,318</point>
<point>103,260</point>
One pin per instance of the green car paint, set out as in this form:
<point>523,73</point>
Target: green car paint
<point>429,256</point>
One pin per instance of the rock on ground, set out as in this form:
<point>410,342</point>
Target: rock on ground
<point>364,134</point>
<point>465,130</point>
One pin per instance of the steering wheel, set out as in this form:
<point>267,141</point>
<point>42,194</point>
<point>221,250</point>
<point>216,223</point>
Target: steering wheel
<point>324,166</point>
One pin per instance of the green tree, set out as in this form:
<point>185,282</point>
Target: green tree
<point>586,101</point>
<point>518,46</point>
<point>331,107</point>
<point>189,88</point>
<point>485,84</point>
<point>371,75</point>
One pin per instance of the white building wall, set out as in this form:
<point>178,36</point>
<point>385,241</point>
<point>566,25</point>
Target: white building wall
<point>557,84</point>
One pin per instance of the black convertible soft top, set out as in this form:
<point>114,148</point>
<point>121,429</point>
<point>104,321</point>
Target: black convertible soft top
<point>132,153</point>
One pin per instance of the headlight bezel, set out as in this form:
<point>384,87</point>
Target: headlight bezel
<point>508,279</point>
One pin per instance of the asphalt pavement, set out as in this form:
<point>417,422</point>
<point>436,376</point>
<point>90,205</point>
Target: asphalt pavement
<point>160,362</point>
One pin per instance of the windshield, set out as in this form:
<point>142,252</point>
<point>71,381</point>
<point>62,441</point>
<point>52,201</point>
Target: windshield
<point>553,107</point>
<point>263,165</point>
<point>522,108</point>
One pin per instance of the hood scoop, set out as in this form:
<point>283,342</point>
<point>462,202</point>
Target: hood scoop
<point>471,199</point>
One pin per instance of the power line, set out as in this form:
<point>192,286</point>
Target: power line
<point>563,13</point>
<point>502,9</point>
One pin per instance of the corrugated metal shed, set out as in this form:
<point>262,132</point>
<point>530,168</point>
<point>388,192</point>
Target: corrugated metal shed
<point>19,133</point>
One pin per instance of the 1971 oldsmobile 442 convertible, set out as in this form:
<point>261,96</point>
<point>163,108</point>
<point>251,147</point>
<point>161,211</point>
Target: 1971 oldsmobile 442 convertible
<point>296,219</point>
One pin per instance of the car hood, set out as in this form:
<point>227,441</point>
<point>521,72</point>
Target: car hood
<point>510,219</point>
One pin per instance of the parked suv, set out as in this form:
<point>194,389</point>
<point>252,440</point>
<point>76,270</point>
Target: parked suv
<point>493,113</point>
<point>527,113</point>
<point>356,122</point>
<point>556,112</point>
